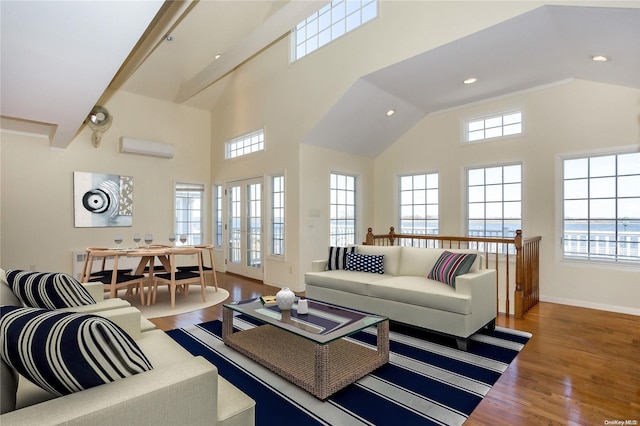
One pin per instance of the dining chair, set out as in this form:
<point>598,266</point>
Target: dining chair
<point>176,278</point>
<point>113,279</point>
<point>88,274</point>
<point>206,252</point>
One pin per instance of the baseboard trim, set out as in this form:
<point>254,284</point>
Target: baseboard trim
<point>591,305</point>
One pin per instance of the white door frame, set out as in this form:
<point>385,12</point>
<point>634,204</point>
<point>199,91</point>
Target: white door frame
<point>245,228</point>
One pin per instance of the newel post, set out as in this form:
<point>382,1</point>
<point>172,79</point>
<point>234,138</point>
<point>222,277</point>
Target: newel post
<point>392,235</point>
<point>518,294</point>
<point>369,238</point>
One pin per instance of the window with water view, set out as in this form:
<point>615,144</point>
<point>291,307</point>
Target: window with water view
<point>277,215</point>
<point>342,210</point>
<point>601,208</point>
<point>494,201</point>
<point>419,208</point>
<point>217,199</point>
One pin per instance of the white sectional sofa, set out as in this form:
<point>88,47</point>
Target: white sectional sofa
<point>180,389</point>
<point>404,294</point>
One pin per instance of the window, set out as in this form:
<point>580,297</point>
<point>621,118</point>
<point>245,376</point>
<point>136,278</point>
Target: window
<point>217,226</point>
<point>494,201</point>
<point>235,225</point>
<point>329,23</point>
<point>277,215</point>
<point>342,210</point>
<point>189,211</point>
<point>419,204</point>
<point>601,208</point>
<point>493,126</point>
<point>245,144</point>
<point>254,225</point>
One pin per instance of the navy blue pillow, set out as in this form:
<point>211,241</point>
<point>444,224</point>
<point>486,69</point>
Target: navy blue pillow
<point>48,290</point>
<point>373,263</point>
<point>66,352</point>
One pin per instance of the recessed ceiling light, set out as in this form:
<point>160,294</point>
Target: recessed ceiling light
<point>391,112</point>
<point>470,80</point>
<point>599,58</point>
<point>217,56</point>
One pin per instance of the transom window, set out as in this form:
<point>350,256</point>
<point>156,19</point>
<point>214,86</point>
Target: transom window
<point>277,215</point>
<point>419,204</point>
<point>493,126</point>
<point>332,21</point>
<point>601,203</point>
<point>342,210</point>
<point>189,211</point>
<point>494,196</point>
<point>245,144</point>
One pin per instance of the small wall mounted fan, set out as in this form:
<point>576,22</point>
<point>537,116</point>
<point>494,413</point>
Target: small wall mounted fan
<point>99,120</point>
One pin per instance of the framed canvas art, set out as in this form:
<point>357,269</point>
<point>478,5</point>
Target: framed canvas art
<point>102,200</point>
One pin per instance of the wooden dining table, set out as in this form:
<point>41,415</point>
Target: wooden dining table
<point>148,258</point>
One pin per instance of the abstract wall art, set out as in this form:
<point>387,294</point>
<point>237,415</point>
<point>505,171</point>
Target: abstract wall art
<point>102,200</point>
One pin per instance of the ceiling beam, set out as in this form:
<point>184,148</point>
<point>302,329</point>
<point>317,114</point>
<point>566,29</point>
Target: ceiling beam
<point>273,27</point>
<point>168,17</point>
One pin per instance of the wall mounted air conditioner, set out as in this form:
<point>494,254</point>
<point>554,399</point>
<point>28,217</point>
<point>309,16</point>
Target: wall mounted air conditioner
<point>143,147</point>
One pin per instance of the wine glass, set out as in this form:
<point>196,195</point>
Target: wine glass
<point>148,238</point>
<point>183,238</point>
<point>136,239</point>
<point>118,239</point>
<point>172,238</point>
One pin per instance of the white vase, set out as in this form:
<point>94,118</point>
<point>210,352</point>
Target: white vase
<point>285,298</point>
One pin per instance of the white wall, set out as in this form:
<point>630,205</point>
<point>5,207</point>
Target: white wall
<point>37,182</point>
<point>576,117</point>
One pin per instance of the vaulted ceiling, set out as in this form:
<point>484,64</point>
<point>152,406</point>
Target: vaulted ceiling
<point>51,76</point>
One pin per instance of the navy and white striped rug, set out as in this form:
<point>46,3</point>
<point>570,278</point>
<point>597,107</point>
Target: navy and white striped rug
<point>427,380</point>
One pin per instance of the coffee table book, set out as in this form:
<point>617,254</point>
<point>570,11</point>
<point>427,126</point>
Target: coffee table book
<point>268,300</point>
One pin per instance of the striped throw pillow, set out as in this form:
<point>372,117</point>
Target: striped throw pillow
<point>449,265</point>
<point>48,290</point>
<point>338,257</point>
<point>65,352</point>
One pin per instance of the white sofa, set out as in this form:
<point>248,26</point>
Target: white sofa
<point>404,294</point>
<point>180,389</point>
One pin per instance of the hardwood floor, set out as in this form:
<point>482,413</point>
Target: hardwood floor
<point>581,367</point>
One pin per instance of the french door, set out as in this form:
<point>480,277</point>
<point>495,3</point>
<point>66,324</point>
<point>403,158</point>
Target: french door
<point>245,228</point>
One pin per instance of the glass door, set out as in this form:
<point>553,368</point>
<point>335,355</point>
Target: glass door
<point>245,228</point>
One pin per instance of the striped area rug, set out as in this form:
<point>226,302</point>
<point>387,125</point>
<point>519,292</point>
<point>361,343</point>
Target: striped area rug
<point>427,380</point>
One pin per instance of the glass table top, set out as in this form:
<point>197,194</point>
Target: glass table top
<point>323,324</point>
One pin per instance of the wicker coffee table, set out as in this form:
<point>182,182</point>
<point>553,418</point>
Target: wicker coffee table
<point>309,350</point>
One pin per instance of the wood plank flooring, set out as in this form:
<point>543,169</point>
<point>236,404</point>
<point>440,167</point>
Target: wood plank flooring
<point>582,366</point>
